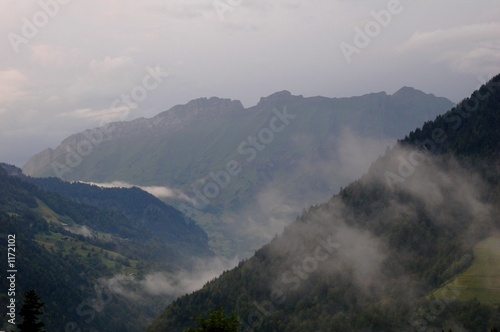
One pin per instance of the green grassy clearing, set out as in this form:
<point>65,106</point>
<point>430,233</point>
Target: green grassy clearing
<point>481,280</point>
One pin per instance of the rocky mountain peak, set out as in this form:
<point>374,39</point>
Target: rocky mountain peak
<point>277,98</point>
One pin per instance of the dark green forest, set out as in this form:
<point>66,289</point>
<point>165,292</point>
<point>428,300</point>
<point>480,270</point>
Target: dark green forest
<point>368,259</point>
<point>70,265</point>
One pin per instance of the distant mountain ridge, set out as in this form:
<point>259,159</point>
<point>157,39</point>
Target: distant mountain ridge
<point>205,108</point>
<point>186,146</point>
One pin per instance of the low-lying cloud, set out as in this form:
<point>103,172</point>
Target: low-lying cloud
<point>81,230</point>
<point>314,180</point>
<point>157,191</point>
<point>352,252</point>
<point>165,284</point>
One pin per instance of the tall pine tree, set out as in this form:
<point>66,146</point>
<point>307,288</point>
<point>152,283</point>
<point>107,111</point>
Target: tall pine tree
<point>30,311</point>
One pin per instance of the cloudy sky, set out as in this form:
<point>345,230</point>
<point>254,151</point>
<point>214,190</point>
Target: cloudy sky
<point>68,65</point>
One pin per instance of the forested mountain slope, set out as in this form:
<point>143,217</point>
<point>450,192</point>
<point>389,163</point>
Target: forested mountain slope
<point>80,257</point>
<point>181,234</point>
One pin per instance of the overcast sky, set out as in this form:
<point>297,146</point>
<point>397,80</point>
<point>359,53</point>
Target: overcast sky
<point>64,68</point>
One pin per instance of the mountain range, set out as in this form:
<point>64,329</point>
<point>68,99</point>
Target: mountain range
<point>243,173</point>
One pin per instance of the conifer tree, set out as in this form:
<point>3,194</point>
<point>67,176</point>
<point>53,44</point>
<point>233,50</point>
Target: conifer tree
<point>30,312</point>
